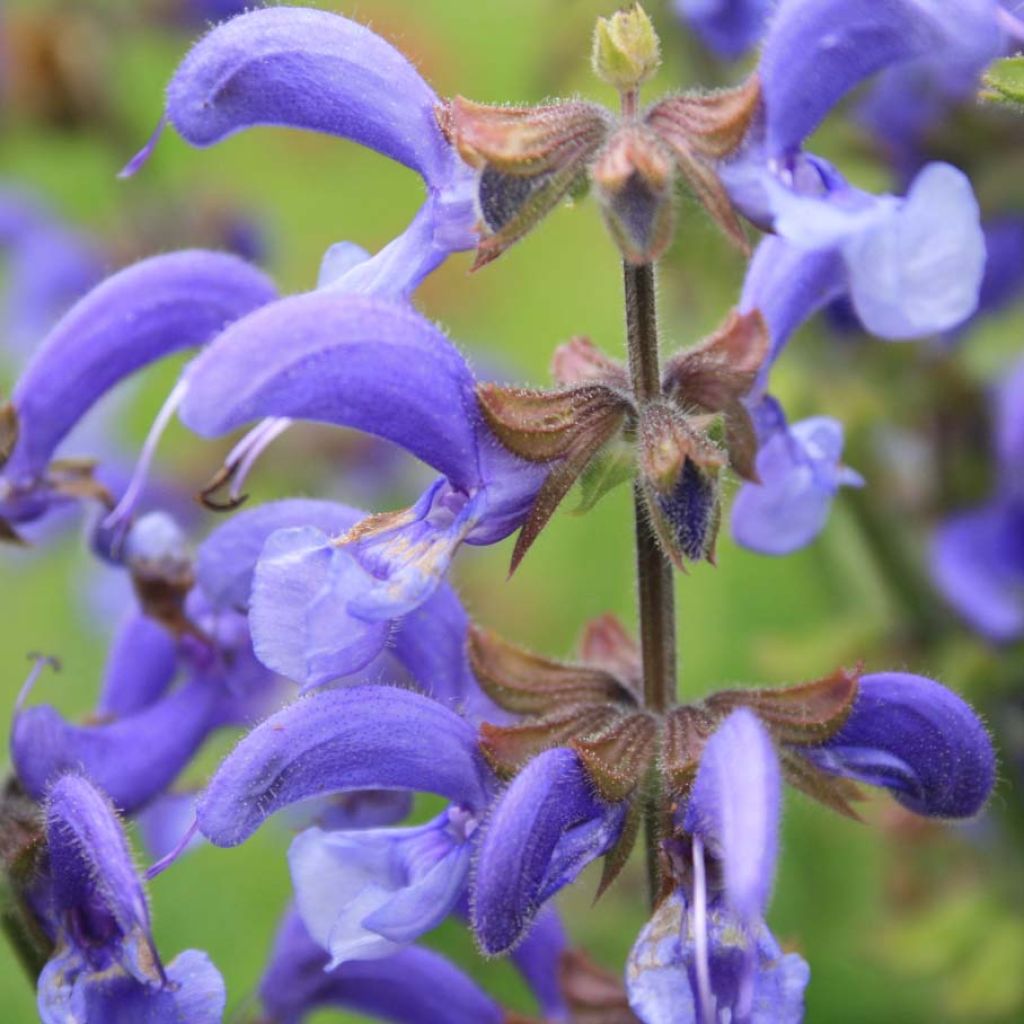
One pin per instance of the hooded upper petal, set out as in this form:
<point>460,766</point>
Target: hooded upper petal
<point>132,758</point>
<point>365,737</point>
<point>161,305</point>
<point>542,831</point>
<point>351,360</point>
<point>818,50</point>
<point>917,739</point>
<point>734,806</point>
<point>308,69</point>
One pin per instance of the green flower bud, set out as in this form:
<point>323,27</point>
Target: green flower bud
<point>626,49</point>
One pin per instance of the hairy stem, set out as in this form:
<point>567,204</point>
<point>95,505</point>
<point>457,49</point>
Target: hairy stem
<point>655,581</point>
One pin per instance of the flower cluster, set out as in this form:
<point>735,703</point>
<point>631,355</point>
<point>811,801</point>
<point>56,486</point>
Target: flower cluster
<point>332,638</point>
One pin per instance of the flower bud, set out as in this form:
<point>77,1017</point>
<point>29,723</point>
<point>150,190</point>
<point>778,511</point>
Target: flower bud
<point>626,49</point>
<point>634,180</point>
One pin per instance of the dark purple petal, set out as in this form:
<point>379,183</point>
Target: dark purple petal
<point>313,70</point>
<point>365,737</point>
<point>734,807</point>
<point>226,559</point>
<point>542,832</point>
<point>351,360</point>
<point>132,758</point>
<point>142,664</point>
<point>413,986</point>
<point>161,305</point>
<point>978,564</point>
<point>917,739</point>
<point>818,50</point>
<point>89,856</point>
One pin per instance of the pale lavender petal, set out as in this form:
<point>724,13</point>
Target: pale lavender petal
<point>734,806</point>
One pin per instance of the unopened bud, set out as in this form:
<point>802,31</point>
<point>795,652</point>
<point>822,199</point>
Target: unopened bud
<point>634,180</point>
<point>626,49</point>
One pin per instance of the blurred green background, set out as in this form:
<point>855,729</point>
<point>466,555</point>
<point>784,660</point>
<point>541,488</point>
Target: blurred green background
<point>899,923</point>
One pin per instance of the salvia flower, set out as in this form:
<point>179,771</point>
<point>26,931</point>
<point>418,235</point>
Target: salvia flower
<point>91,902</point>
<point>706,956</point>
<point>162,305</point>
<point>378,366</point>
<point>578,762</point>
<point>318,71</point>
<point>728,27</point>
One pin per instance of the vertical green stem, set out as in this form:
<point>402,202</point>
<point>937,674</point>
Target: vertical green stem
<point>655,581</point>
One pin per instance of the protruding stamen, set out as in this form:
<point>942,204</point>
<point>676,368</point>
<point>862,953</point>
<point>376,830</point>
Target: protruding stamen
<point>169,858</point>
<point>41,661</point>
<point>138,161</point>
<point>240,462</point>
<point>125,508</point>
<point>705,997</point>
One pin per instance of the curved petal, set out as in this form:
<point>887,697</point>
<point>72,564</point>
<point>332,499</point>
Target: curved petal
<point>308,69</point>
<point>729,27</point>
<point>412,986</point>
<point>734,806</point>
<point>978,564</point>
<point>363,894</point>
<point>351,360</point>
<point>788,284</point>
<point>225,561</point>
<point>917,739</point>
<point>919,271</point>
<point>365,737</point>
<point>538,958</point>
<point>1009,426</point>
<point>818,50</point>
<point>141,666</point>
<point>90,864</point>
<point>800,476</point>
<point>132,758</point>
<point>542,832</point>
<point>661,970</point>
<point>300,615</point>
<point>161,305</point>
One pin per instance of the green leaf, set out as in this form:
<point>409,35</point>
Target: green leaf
<point>1004,82</point>
<point>614,466</point>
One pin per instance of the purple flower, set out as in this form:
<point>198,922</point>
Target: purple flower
<point>48,266</point>
<point>800,474</point>
<point>706,955</point>
<point>729,27</point>
<point>162,305</point>
<point>917,739</point>
<point>411,986</point>
<point>321,72</point>
<point>978,556</point>
<point>376,365</point>
<point>105,966</point>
